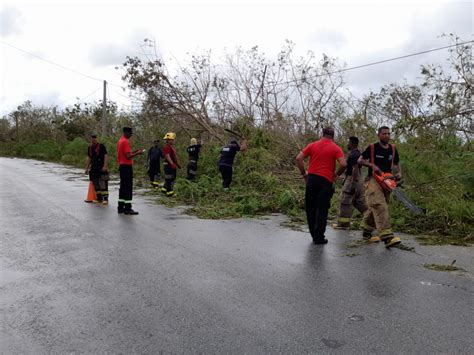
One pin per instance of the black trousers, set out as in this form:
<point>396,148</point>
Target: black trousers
<point>192,169</point>
<point>154,170</point>
<point>101,184</point>
<point>126,187</point>
<point>170,177</point>
<point>226,172</point>
<point>318,196</point>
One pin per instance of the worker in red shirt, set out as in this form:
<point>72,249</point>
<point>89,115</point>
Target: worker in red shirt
<point>170,164</point>
<point>125,157</point>
<point>323,155</point>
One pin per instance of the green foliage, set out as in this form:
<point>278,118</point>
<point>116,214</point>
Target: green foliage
<point>441,267</point>
<point>43,150</point>
<point>74,152</point>
<point>438,179</point>
<point>432,123</point>
<point>440,182</point>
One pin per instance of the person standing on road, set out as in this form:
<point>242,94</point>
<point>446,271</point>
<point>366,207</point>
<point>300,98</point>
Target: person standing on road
<point>153,163</point>
<point>352,194</point>
<point>193,155</point>
<point>323,155</point>
<point>170,164</point>
<point>125,157</point>
<point>380,157</point>
<point>97,168</point>
<point>226,160</point>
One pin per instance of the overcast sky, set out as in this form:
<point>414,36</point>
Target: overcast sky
<point>93,37</point>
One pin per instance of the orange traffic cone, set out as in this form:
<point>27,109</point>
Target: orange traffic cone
<point>91,195</point>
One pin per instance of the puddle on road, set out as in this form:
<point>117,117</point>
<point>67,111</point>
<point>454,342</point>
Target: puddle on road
<point>178,217</point>
<point>429,283</point>
<point>75,178</point>
<point>357,318</point>
<point>333,343</point>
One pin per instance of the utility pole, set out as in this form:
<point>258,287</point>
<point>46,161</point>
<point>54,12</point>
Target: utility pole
<point>16,127</point>
<point>104,110</point>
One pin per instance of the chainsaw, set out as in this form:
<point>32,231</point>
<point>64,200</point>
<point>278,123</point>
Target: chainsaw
<point>389,184</point>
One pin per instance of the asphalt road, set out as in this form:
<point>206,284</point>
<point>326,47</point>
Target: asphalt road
<point>76,277</point>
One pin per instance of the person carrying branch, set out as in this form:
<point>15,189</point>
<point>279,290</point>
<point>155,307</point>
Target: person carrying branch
<point>193,155</point>
<point>226,160</point>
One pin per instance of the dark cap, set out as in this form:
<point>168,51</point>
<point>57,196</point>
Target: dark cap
<point>233,141</point>
<point>127,129</point>
<point>93,135</point>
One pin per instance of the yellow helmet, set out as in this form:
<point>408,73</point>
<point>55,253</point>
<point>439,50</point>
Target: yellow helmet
<point>193,141</point>
<point>170,135</point>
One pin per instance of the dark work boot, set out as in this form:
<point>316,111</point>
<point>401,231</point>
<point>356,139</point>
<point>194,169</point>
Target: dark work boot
<point>130,212</point>
<point>320,241</point>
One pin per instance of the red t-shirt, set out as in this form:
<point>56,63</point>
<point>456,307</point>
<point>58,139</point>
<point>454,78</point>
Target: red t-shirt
<point>169,149</point>
<point>322,157</point>
<point>123,147</point>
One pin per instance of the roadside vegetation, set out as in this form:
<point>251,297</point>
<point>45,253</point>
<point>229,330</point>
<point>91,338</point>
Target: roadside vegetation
<point>279,106</point>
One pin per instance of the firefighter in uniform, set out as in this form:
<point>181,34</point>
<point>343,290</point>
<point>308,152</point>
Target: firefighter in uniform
<point>226,161</point>
<point>193,154</point>
<point>97,168</point>
<point>153,163</point>
<point>352,194</point>
<point>170,164</point>
<point>125,157</point>
<point>379,157</point>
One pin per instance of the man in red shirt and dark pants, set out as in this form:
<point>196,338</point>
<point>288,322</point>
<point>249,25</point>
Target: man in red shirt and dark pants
<point>125,159</point>
<point>323,155</point>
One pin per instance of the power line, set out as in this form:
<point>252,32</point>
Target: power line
<point>90,94</point>
<point>122,95</point>
<point>296,80</point>
<point>403,57</point>
<point>348,69</point>
<point>236,89</point>
<point>50,62</point>
<point>374,63</point>
<point>55,64</point>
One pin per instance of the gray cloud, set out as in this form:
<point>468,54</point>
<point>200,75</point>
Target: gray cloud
<point>48,98</point>
<point>10,21</point>
<point>425,34</point>
<point>326,38</point>
<point>109,54</point>
<point>114,54</point>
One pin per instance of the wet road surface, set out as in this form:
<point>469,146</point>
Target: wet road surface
<point>76,277</point>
